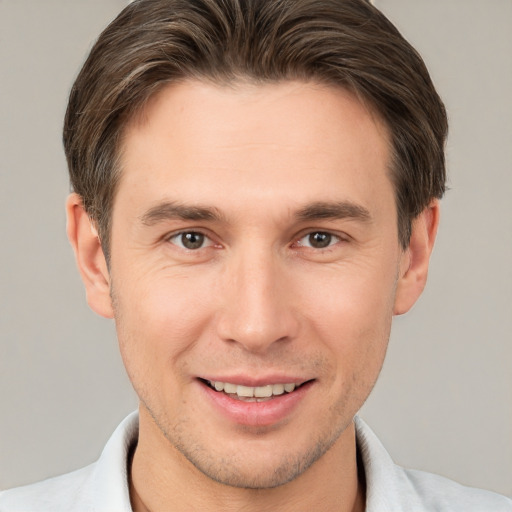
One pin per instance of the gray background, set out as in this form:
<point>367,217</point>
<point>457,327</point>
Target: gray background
<point>444,400</point>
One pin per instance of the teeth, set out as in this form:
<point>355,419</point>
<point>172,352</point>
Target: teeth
<point>244,391</point>
<point>263,391</point>
<point>250,392</point>
<point>229,388</point>
<point>278,389</point>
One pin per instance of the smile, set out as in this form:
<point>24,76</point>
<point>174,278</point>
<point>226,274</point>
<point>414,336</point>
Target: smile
<point>264,405</point>
<point>252,394</point>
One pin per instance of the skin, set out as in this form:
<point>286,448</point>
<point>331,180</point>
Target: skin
<point>260,299</point>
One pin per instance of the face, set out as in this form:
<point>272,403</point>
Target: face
<point>254,269</point>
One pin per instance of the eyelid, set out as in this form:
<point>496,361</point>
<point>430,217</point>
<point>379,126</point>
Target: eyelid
<point>176,234</point>
<point>337,238</point>
<point>334,239</point>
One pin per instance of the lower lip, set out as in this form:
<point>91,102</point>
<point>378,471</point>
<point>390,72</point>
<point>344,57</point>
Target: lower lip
<point>257,414</point>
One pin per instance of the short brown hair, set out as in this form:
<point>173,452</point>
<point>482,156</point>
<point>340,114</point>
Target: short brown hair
<point>346,43</point>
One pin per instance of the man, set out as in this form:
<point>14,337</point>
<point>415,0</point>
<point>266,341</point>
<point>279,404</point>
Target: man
<point>256,195</point>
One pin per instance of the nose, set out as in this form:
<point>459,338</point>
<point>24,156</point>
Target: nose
<point>258,309</point>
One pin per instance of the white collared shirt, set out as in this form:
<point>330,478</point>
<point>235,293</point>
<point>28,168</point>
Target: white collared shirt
<point>103,486</point>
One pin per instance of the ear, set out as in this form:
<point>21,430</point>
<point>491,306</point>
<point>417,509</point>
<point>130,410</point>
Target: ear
<point>89,257</point>
<point>415,259</point>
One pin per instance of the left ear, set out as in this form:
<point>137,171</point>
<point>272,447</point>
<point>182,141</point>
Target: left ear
<point>415,259</point>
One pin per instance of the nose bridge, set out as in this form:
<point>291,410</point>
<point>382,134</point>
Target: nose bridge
<point>257,312</point>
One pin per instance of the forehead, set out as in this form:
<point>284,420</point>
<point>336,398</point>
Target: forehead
<point>285,140</point>
<point>247,103</point>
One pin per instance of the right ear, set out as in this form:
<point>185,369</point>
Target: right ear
<point>90,259</point>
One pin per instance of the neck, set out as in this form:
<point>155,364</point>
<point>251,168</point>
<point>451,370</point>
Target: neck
<point>161,476</point>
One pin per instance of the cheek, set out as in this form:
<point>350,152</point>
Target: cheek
<point>351,311</point>
<point>157,321</point>
<point>355,297</point>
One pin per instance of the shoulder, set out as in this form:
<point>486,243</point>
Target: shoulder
<point>100,487</point>
<point>435,492</point>
<point>391,487</point>
<point>63,493</point>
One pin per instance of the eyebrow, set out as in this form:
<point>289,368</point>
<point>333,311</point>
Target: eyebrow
<point>334,211</point>
<point>169,210</point>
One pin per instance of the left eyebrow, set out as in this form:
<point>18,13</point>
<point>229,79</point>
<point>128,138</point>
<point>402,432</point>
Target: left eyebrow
<point>170,210</point>
<point>334,211</point>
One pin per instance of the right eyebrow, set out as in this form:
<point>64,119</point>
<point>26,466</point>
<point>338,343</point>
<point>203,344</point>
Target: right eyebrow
<point>170,210</point>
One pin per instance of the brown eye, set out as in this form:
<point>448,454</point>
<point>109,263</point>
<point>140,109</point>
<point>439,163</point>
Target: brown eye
<point>319,240</point>
<point>191,240</point>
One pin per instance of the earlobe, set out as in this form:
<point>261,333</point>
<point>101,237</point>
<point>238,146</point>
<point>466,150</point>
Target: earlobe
<point>416,258</point>
<point>89,256</point>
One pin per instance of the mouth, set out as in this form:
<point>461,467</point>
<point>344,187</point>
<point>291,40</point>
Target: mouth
<point>263,393</point>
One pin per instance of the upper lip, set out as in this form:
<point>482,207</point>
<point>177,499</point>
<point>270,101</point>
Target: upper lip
<point>245,380</point>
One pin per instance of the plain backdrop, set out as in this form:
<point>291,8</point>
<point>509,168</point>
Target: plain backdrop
<point>444,399</point>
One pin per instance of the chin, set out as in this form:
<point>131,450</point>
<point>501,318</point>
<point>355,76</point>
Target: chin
<point>261,467</point>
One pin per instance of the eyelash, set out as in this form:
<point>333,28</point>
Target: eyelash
<point>178,236</point>
<point>177,239</point>
<point>332,240</point>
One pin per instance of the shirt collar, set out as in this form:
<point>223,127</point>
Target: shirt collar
<point>386,485</point>
<point>111,475</point>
